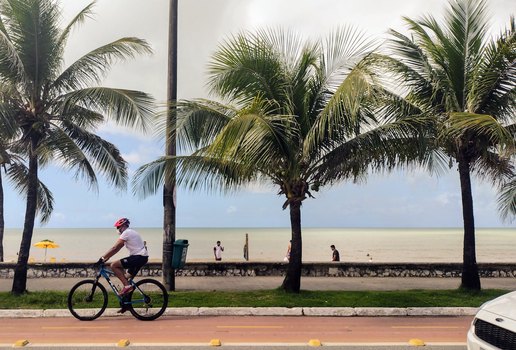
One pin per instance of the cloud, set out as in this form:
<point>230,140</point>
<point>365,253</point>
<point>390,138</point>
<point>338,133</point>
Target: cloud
<point>231,209</point>
<point>442,199</point>
<point>58,216</point>
<point>112,129</point>
<point>143,154</point>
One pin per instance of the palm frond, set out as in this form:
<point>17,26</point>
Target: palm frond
<point>45,203</point>
<point>410,69</point>
<point>82,117</point>
<point>103,155</point>
<point>62,149</point>
<point>493,91</point>
<point>78,19</point>
<point>194,172</point>
<point>255,138</point>
<point>245,66</point>
<point>92,67</point>
<point>17,174</point>
<point>8,126</point>
<point>200,121</point>
<point>150,177</point>
<point>126,107</point>
<point>11,64</point>
<point>34,29</point>
<point>494,168</point>
<point>342,51</point>
<point>507,201</point>
<point>198,172</point>
<point>389,146</point>
<point>480,125</point>
<point>467,22</point>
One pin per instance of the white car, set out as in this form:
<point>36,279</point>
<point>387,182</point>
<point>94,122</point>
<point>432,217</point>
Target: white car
<point>494,326</point>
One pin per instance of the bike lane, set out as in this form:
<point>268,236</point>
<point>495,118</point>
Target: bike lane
<point>235,329</point>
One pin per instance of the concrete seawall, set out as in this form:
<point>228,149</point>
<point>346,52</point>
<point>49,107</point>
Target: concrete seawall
<point>317,269</point>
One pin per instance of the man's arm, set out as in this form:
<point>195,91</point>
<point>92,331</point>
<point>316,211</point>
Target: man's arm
<point>114,249</point>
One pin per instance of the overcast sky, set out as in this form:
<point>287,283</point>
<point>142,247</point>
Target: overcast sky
<point>408,199</point>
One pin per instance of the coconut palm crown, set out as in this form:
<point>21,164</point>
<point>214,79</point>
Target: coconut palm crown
<point>299,115</point>
<point>56,109</point>
<point>453,72</point>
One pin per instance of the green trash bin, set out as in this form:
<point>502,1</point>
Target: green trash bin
<point>179,256</point>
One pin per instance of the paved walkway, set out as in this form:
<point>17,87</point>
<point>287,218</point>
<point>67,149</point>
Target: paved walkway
<point>307,283</point>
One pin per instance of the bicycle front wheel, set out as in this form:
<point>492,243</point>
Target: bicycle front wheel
<point>87,300</point>
<point>148,300</point>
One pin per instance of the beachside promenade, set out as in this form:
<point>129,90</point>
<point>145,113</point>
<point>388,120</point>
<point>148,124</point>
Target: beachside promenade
<point>271,282</point>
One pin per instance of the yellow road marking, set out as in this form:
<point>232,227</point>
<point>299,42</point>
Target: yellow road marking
<point>75,327</point>
<point>427,327</point>
<point>275,327</point>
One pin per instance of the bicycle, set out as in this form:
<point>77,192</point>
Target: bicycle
<point>88,299</point>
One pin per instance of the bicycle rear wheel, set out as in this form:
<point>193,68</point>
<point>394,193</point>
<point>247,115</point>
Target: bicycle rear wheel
<point>87,300</point>
<point>148,300</point>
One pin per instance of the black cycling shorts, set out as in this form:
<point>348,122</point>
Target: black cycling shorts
<point>134,263</point>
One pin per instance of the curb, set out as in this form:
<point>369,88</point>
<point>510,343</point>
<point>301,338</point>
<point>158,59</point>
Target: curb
<point>267,311</point>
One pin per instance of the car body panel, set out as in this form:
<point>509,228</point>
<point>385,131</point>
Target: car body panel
<point>500,312</point>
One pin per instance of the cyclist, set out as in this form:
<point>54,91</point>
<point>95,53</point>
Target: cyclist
<point>138,255</point>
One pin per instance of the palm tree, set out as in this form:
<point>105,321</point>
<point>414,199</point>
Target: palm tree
<point>55,109</point>
<point>169,205</point>
<point>453,73</point>
<point>300,118</point>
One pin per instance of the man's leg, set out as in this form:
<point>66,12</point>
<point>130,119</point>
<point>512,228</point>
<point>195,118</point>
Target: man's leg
<point>119,271</point>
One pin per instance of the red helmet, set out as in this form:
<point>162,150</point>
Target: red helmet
<point>122,222</point>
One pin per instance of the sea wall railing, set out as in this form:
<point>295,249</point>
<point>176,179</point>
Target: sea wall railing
<point>314,269</point>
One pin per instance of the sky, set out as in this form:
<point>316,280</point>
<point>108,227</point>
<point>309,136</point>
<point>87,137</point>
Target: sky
<point>401,199</point>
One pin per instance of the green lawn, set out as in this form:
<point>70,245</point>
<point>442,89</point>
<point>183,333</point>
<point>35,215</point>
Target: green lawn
<point>278,298</point>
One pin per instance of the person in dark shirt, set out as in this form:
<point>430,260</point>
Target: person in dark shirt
<point>335,255</point>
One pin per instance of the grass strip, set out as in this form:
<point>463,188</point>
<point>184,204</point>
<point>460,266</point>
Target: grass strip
<point>278,298</point>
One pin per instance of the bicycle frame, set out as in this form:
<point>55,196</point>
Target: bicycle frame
<point>106,273</point>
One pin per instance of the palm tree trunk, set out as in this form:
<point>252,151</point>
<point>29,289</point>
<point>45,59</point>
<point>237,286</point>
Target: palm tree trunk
<point>292,281</point>
<point>169,217</point>
<point>20,271</point>
<point>470,276</point>
<point>2,222</point>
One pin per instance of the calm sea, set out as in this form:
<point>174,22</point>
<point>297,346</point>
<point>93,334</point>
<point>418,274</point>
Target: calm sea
<point>270,244</point>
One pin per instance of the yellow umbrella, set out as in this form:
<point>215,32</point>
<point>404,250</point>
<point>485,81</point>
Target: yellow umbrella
<point>46,243</point>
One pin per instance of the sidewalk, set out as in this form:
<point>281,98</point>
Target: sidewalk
<point>307,283</point>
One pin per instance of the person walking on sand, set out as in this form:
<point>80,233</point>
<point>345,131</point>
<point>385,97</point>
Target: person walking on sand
<point>335,255</point>
<point>217,251</point>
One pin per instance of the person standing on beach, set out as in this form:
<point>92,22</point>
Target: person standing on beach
<point>138,255</point>
<point>289,248</point>
<point>335,255</point>
<point>217,251</point>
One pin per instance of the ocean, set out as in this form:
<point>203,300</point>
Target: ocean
<point>270,244</point>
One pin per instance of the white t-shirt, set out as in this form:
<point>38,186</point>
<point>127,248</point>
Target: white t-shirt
<point>133,242</point>
<point>218,251</point>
